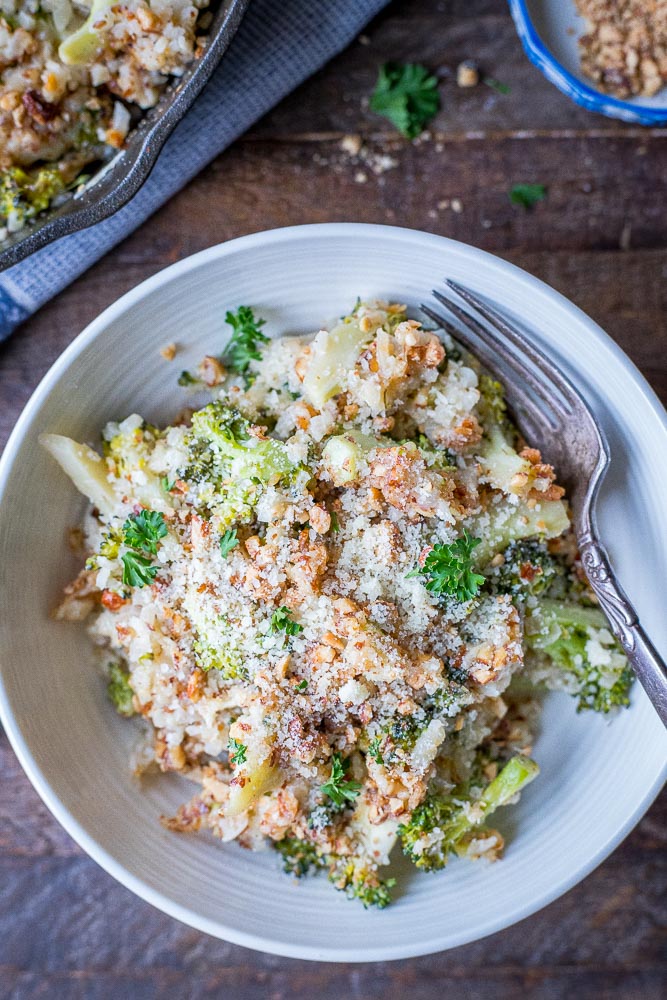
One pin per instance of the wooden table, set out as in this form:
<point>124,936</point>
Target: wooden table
<point>66,928</point>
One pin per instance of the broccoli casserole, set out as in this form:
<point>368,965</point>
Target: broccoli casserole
<point>73,74</point>
<point>333,592</point>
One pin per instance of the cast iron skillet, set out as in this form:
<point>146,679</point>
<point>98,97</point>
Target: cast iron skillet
<point>124,175</point>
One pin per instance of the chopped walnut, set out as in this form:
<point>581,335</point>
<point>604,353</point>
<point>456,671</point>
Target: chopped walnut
<point>624,50</point>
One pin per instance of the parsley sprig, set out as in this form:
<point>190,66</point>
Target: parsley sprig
<point>242,346</point>
<point>142,533</point>
<point>282,621</point>
<point>447,570</point>
<point>406,94</point>
<point>238,752</point>
<point>527,195</point>
<point>339,788</point>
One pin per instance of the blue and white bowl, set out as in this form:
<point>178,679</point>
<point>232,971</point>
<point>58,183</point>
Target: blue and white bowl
<point>549,31</point>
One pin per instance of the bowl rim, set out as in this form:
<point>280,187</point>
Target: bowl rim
<point>582,93</point>
<point>218,928</point>
<point>126,172</point>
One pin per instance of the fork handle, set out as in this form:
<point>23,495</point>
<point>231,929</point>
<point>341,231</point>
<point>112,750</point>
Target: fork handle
<point>645,660</point>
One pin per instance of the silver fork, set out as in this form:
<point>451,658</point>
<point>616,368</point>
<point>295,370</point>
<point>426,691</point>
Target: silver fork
<point>553,416</point>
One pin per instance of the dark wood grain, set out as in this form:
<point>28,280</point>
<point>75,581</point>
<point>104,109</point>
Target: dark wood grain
<point>66,928</point>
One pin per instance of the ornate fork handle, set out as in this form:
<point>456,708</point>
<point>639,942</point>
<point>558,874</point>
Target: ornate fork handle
<point>642,654</point>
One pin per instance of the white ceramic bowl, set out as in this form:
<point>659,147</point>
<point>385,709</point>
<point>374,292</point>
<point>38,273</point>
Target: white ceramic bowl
<point>597,777</point>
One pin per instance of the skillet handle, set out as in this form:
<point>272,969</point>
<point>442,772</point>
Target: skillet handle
<point>645,660</point>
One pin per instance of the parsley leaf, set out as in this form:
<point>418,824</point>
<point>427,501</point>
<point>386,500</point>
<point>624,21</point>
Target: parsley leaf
<point>527,195</point>
<point>335,525</point>
<point>339,788</point>
<point>238,752</point>
<point>144,530</point>
<point>141,534</point>
<point>167,484</point>
<point>502,88</point>
<point>282,621</point>
<point>228,541</point>
<point>375,749</point>
<point>187,378</point>
<point>302,685</point>
<point>137,570</point>
<point>447,569</point>
<point>242,347</point>
<point>406,94</point>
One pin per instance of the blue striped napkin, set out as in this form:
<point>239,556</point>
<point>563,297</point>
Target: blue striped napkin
<point>279,44</point>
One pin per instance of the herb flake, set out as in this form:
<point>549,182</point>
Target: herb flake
<point>502,88</point>
<point>282,621</point>
<point>527,195</point>
<point>228,541</point>
<point>238,752</point>
<point>339,788</point>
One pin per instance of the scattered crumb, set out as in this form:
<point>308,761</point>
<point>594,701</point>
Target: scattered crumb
<point>455,204</point>
<point>211,371</point>
<point>358,154</point>
<point>467,74</point>
<point>351,144</point>
<point>364,40</point>
<point>168,352</point>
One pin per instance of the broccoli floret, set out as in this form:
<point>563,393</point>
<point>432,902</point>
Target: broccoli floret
<point>229,465</point>
<point>119,690</point>
<point>453,697</point>
<point>24,194</point>
<point>528,568</point>
<point>443,825</point>
<point>435,458</point>
<point>324,815</point>
<point>578,641</point>
<point>359,880</point>
<point>236,451</point>
<point>129,445</point>
<point>396,738</point>
<point>300,857</point>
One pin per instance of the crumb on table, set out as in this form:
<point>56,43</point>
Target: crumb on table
<point>467,74</point>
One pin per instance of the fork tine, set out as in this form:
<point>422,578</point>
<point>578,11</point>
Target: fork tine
<point>567,390</point>
<point>530,416</point>
<point>532,378</point>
